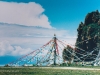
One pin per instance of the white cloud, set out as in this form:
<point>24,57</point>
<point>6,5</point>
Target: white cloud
<point>5,48</point>
<point>20,51</point>
<point>29,14</point>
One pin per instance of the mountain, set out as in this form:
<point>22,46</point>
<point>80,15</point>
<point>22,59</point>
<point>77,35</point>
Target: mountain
<point>88,38</point>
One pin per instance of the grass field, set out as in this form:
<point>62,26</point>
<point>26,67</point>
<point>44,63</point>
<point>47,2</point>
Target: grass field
<point>45,71</point>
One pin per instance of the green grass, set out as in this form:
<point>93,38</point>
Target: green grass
<point>45,71</point>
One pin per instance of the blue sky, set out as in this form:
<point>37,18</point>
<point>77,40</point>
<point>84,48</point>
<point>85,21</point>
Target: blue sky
<point>63,13</point>
<point>24,24</point>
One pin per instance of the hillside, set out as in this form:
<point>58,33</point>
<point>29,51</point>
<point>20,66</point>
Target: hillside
<point>89,35</point>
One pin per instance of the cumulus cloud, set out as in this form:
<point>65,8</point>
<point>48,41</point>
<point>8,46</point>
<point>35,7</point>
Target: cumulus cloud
<point>7,49</point>
<point>28,14</point>
<point>21,51</point>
